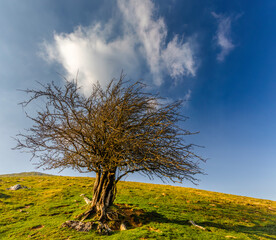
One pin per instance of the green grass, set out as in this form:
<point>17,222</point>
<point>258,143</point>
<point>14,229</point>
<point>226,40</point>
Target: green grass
<point>25,174</point>
<point>38,212</point>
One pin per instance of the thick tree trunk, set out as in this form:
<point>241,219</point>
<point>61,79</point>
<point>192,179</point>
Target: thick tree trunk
<point>104,192</point>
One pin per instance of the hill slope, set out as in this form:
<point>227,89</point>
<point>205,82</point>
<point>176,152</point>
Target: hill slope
<point>38,212</point>
<point>25,174</point>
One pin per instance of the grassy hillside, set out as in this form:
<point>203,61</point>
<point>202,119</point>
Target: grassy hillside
<point>38,212</point>
<point>25,174</point>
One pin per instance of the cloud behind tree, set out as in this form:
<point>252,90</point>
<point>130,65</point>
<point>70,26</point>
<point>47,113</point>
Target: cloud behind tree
<point>99,53</point>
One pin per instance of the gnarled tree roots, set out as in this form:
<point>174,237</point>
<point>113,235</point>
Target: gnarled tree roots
<point>80,226</point>
<point>119,217</point>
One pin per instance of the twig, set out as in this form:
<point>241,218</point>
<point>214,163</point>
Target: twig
<point>193,223</point>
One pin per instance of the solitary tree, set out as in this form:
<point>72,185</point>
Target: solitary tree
<point>115,131</point>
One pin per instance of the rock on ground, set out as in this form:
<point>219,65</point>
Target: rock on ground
<point>78,225</point>
<point>16,187</point>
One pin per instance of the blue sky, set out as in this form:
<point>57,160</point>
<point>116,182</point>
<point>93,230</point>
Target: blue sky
<point>218,55</point>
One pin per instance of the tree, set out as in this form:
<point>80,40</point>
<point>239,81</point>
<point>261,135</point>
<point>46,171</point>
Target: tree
<point>113,132</point>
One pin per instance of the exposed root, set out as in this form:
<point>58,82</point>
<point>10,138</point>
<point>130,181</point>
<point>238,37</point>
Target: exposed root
<point>86,199</point>
<point>80,226</point>
<point>112,216</point>
<point>87,214</point>
<point>118,217</point>
<point>103,228</point>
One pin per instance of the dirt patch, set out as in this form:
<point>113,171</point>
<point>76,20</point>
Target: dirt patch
<point>37,227</point>
<point>23,209</point>
<point>128,215</point>
<point>154,229</point>
<point>53,214</point>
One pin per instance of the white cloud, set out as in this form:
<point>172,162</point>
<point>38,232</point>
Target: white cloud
<point>179,58</point>
<point>188,95</point>
<point>90,51</point>
<point>87,51</point>
<point>151,33</point>
<point>174,58</point>
<point>223,35</point>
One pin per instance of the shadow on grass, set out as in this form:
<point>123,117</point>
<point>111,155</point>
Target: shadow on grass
<point>134,220</point>
<point>2,195</point>
<point>153,216</point>
<point>261,231</point>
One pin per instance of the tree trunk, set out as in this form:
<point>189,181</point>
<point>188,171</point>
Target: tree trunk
<point>104,192</point>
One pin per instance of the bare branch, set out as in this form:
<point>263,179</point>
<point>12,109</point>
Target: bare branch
<point>121,128</point>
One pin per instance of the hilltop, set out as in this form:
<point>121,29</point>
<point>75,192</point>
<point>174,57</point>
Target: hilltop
<point>25,174</point>
<point>39,211</point>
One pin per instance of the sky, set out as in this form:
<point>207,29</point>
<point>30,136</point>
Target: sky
<point>218,56</point>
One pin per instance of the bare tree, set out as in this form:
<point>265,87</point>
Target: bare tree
<point>114,132</point>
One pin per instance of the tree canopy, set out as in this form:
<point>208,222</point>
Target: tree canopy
<point>115,131</point>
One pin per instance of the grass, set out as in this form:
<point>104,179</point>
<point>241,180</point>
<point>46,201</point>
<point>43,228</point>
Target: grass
<point>38,212</point>
<point>25,174</point>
